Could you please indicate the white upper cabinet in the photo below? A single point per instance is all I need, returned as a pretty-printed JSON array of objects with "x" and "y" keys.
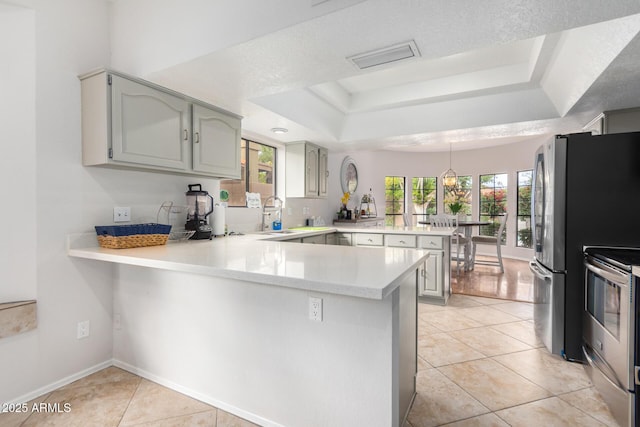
[
  {"x": 311, "y": 170},
  {"x": 323, "y": 172},
  {"x": 306, "y": 170},
  {"x": 148, "y": 127},
  {"x": 131, "y": 123},
  {"x": 216, "y": 143}
]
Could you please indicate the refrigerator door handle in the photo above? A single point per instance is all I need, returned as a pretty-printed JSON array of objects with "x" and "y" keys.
[{"x": 541, "y": 274}]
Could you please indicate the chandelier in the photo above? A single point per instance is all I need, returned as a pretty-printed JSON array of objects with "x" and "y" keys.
[{"x": 449, "y": 178}]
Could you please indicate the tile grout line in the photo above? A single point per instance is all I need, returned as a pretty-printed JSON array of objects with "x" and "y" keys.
[{"x": 129, "y": 402}]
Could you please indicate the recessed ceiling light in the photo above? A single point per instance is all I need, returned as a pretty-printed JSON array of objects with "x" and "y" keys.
[
  {"x": 279, "y": 130},
  {"x": 386, "y": 55}
]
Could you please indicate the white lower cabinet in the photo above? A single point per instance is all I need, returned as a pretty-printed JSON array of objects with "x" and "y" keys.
[
  {"x": 344, "y": 239},
  {"x": 400, "y": 240},
  {"x": 368, "y": 239},
  {"x": 434, "y": 283},
  {"x": 331, "y": 239},
  {"x": 432, "y": 279},
  {"x": 317, "y": 240},
  {"x": 433, "y": 275}
]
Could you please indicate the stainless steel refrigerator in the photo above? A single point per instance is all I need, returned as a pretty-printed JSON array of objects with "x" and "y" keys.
[{"x": 586, "y": 191}]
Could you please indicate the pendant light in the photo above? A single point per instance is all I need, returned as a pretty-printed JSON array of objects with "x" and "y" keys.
[{"x": 449, "y": 178}]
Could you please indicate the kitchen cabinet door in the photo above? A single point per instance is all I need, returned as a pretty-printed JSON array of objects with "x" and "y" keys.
[
  {"x": 216, "y": 143},
  {"x": 344, "y": 239},
  {"x": 306, "y": 170},
  {"x": 148, "y": 127},
  {"x": 311, "y": 163},
  {"x": 316, "y": 240},
  {"x": 331, "y": 239},
  {"x": 432, "y": 280},
  {"x": 323, "y": 172}
]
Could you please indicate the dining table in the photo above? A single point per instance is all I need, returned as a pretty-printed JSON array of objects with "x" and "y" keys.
[{"x": 467, "y": 228}]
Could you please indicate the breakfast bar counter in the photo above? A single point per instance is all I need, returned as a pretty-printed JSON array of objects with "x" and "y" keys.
[{"x": 278, "y": 333}]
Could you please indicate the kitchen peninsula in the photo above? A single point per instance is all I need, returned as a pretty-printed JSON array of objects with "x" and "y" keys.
[{"x": 227, "y": 322}]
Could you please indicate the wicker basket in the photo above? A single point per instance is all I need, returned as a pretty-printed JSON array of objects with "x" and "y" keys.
[{"x": 132, "y": 236}]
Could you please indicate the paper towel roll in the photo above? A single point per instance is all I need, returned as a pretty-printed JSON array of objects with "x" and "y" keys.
[{"x": 219, "y": 220}]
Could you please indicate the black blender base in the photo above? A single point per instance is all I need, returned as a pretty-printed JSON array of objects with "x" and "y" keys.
[
  {"x": 203, "y": 231},
  {"x": 202, "y": 235}
]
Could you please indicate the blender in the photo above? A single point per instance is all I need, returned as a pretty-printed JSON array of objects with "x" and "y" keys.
[{"x": 199, "y": 207}]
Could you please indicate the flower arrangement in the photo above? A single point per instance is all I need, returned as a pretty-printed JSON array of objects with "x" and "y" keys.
[
  {"x": 342, "y": 213},
  {"x": 456, "y": 207},
  {"x": 345, "y": 199}
]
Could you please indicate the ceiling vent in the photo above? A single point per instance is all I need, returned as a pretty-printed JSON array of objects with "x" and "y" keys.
[{"x": 386, "y": 55}]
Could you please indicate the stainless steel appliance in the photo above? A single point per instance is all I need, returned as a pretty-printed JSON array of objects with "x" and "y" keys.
[
  {"x": 580, "y": 183},
  {"x": 199, "y": 207},
  {"x": 610, "y": 328}
]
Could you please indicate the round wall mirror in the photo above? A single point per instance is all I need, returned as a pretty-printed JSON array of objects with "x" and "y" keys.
[{"x": 349, "y": 175}]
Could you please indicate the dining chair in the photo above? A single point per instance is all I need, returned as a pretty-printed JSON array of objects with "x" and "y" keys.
[
  {"x": 406, "y": 218},
  {"x": 457, "y": 238},
  {"x": 490, "y": 240}
]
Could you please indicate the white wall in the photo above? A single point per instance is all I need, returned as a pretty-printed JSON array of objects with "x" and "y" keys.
[
  {"x": 17, "y": 171},
  {"x": 49, "y": 194}
]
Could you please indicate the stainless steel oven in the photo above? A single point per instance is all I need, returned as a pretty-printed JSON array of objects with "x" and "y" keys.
[{"x": 609, "y": 328}]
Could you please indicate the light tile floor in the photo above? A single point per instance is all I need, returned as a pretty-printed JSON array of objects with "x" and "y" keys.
[
  {"x": 481, "y": 364},
  {"x": 113, "y": 397}
]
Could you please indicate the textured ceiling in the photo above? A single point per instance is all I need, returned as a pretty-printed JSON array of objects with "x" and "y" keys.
[{"x": 490, "y": 72}]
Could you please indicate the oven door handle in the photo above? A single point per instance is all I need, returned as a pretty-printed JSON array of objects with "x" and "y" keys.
[
  {"x": 533, "y": 266},
  {"x": 611, "y": 275}
]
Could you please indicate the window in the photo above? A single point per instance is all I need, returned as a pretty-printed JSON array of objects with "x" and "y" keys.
[
  {"x": 523, "y": 224},
  {"x": 460, "y": 193},
  {"x": 493, "y": 203},
  {"x": 424, "y": 196},
  {"x": 258, "y": 170},
  {"x": 393, "y": 200}
]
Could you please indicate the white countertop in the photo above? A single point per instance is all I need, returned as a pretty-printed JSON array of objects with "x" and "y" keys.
[
  {"x": 345, "y": 270},
  {"x": 425, "y": 230}
]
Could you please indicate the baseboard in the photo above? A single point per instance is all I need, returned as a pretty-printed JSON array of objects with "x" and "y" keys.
[
  {"x": 196, "y": 395},
  {"x": 60, "y": 383}
]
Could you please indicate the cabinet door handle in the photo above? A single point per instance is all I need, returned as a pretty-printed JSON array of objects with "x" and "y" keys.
[
  {"x": 186, "y": 134},
  {"x": 326, "y": 173},
  {"x": 403, "y": 242},
  {"x": 197, "y": 137}
]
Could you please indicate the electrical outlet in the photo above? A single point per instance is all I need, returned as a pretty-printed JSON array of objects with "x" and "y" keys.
[
  {"x": 83, "y": 329},
  {"x": 121, "y": 214},
  {"x": 315, "y": 309}
]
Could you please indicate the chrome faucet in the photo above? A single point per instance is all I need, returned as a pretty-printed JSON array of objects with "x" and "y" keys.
[{"x": 266, "y": 213}]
